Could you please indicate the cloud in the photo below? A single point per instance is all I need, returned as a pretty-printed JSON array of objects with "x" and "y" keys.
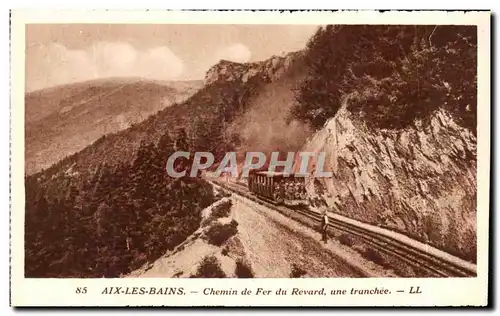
[
  {"x": 55, "y": 64},
  {"x": 236, "y": 52},
  {"x": 160, "y": 62}
]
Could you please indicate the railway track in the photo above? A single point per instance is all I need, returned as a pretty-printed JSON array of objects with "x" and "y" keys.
[{"x": 434, "y": 262}]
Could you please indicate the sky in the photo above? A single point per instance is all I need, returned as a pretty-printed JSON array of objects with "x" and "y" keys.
[{"x": 66, "y": 53}]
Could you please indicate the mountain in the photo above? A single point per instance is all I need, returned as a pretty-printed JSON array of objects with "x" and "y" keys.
[
  {"x": 116, "y": 191},
  {"x": 398, "y": 127},
  {"x": 419, "y": 180},
  {"x": 64, "y": 119},
  {"x": 394, "y": 108},
  {"x": 214, "y": 119}
]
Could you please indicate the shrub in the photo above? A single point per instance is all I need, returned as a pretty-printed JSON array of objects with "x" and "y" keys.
[
  {"x": 297, "y": 272},
  {"x": 209, "y": 268},
  {"x": 180, "y": 248},
  {"x": 219, "y": 211},
  {"x": 243, "y": 270},
  {"x": 374, "y": 256},
  {"x": 177, "y": 274},
  {"x": 222, "y": 210},
  {"x": 222, "y": 194},
  {"x": 218, "y": 233},
  {"x": 346, "y": 240},
  {"x": 399, "y": 73}
]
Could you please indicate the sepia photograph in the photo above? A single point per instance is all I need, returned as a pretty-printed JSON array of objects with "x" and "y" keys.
[{"x": 290, "y": 151}]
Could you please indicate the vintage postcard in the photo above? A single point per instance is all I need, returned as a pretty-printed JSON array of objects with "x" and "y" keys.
[{"x": 217, "y": 158}]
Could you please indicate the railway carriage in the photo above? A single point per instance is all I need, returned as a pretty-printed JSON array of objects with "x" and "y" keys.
[{"x": 277, "y": 187}]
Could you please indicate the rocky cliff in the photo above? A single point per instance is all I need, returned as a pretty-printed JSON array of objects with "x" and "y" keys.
[
  {"x": 268, "y": 70},
  {"x": 420, "y": 180},
  {"x": 402, "y": 158}
]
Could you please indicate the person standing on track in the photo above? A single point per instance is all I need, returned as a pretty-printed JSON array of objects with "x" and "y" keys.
[{"x": 324, "y": 227}]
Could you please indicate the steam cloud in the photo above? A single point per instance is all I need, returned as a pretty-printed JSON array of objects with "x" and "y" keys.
[{"x": 265, "y": 127}]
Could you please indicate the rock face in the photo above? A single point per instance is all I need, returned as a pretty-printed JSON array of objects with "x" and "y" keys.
[
  {"x": 270, "y": 69},
  {"x": 420, "y": 180}
]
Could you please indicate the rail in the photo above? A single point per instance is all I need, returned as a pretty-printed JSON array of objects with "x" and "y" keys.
[{"x": 435, "y": 262}]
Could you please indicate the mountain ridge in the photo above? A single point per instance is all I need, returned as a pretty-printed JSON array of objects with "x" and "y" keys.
[
  {"x": 65, "y": 119},
  {"x": 379, "y": 113}
]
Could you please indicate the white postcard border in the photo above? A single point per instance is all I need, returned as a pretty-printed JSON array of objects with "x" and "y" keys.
[{"x": 62, "y": 292}]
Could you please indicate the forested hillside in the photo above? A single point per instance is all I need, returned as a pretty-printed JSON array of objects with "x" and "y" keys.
[
  {"x": 110, "y": 208},
  {"x": 394, "y": 108},
  {"x": 391, "y": 75},
  {"x": 115, "y": 221}
]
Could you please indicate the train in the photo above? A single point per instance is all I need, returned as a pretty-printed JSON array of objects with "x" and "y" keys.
[{"x": 278, "y": 187}]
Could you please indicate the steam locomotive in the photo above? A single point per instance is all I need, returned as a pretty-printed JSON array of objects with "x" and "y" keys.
[{"x": 277, "y": 187}]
